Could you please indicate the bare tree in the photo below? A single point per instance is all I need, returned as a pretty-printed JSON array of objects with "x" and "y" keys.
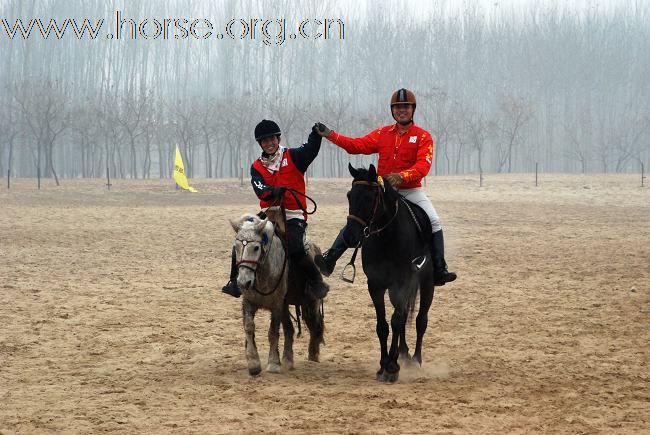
[
  {"x": 131, "y": 115},
  {"x": 477, "y": 129},
  {"x": 43, "y": 107},
  {"x": 514, "y": 114},
  {"x": 9, "y": 132}
]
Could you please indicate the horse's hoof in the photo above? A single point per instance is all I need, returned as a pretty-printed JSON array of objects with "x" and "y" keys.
[
  {"x": 255, "y": 370},
  {"x": 273, "y": 368},
  {"x": 288, "y": 364},
  {"x": 313, "y": 357},
  {"x": 380, "y": 373},
  {"x": 388, "y": 377},
  {"x": 407, "y": 360},
  {"x": 417, "y": 360}
]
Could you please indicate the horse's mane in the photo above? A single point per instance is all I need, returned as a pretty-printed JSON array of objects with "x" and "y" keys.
[{"x": 370, "y": 175}]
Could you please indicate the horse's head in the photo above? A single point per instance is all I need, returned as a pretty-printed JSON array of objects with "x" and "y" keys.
[
  {"x": 251, "y": 245},
  {"x": 365, "y": 200}
]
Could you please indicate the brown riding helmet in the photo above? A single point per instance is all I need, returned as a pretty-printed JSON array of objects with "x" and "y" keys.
[{"x": 402, "y": 96}]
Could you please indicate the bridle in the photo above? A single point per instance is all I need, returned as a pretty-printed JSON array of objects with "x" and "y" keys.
[
  {"x": 367, "y": 225},
  {"x": 253, "y": 265},
  {"x": 379, "y": 199}
]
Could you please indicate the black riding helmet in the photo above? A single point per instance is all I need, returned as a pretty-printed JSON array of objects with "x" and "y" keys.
[{"x": 266, "y": 128}]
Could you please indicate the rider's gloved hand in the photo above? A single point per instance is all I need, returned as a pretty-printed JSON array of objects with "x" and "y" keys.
[
  {"x": 394, "y": 179},
  {"x": 321, "y": 129}
]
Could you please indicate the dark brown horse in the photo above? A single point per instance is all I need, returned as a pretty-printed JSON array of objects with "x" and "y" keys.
[{"x": 395, "y": 256}]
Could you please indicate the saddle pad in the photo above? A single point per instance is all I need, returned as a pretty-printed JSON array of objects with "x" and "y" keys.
[{"x": 421, "y": 217}]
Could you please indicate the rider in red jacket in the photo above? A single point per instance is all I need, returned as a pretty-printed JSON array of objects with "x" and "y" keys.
[
  {"x": 405, "y": 153},
  {"x": 275, "y": 171}
]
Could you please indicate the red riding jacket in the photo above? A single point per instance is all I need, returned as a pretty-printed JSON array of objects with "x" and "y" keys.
[
  {"x": 409, "y": 153},
  {"x": 288, "y": 176}
]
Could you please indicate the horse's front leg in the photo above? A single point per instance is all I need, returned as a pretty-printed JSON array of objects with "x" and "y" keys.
[
  {"x": 397, "y": 323},
  {"x": 274, "y": 339},
  {"x": 377, "y": 295},
  {"x": 421, "y": 321},
  {"x": 403, "y": 348},
  {"x": 252, "y": 357},
  {"x": 287, "y": 328}
]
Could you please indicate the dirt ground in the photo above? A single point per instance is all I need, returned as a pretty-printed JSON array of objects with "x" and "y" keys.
[{"x": 111, "y": 318}]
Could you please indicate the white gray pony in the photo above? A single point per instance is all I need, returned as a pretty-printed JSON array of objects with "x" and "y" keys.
[{"x": 266, "y": 282}]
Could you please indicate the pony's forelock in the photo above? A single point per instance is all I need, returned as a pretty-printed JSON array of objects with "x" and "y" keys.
[{"x": 248, "y": 220}]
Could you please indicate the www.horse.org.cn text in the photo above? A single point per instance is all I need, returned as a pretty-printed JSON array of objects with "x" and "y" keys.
[{"x": 271, "y": 32}]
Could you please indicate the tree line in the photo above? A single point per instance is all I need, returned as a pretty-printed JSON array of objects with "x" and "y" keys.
[{"x": 500, "y": 89}]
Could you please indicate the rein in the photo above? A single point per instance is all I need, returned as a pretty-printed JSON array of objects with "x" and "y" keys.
[
  {"x": 367, "y": 231},
  {"x": 295, "y": 194},
  {"x": 262, "y": 261}
]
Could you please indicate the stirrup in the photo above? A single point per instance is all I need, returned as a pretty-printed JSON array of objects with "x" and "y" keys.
[{"x": 354, "y": 273}]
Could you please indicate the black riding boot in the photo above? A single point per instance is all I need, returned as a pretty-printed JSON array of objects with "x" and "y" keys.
[
  {"x": 231, "y": 288},
  {"x": 440, "y": 273},
  {"x": 316, "y": 287},
  {"x": 327, "y": 261}
]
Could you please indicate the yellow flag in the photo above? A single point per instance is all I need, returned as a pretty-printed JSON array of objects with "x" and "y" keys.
[{"x": 179, "y": 172}]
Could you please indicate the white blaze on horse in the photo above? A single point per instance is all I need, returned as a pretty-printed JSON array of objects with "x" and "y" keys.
[{"x": 266, "y": 282}]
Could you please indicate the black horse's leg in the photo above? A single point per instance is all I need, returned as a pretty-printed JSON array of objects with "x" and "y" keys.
[
  {"x": 377, "y": 296},
  {"x": 421, "y": 321},
  {"x": 403, "y": 348},
  {"x": 397, "y": 323}
]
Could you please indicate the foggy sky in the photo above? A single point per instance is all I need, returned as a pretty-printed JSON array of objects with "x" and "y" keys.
[{"x": 501, "y": 85}]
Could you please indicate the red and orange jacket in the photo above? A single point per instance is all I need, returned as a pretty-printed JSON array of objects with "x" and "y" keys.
[
  {"x": 410, "y": 154},
  {"x": 289, "y": 175},
  {"x": 295, "y": 162}
]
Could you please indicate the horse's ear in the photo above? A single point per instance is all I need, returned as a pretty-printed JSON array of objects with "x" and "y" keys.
[
  {"x": 236, "y": 225},
  {"x": 353, "y": 171},
  {"x": 267, "y": 232},
  {"x": 372, "y": 173},
  {"x": 259, "y": 227}
]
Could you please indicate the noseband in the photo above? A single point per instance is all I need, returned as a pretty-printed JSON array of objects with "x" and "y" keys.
[{"x": 255, "y": 263}]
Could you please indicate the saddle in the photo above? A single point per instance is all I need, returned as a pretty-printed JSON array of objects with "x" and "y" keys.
[
  {"x": 420, "y": 218},
  {"x": 423, "y": 224}
]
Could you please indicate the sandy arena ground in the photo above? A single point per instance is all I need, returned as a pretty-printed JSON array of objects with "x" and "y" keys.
[{"x": 110, "y": 317}]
